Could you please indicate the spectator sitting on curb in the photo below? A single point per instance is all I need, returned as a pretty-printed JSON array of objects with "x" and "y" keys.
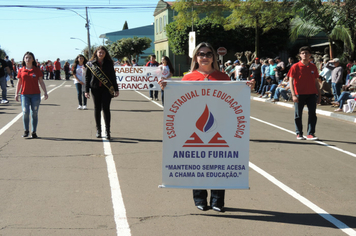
[
  {"x": 342, "y": 99},
  {"x": 282, "y": 89},
  {"x": 266, "y": 87}
]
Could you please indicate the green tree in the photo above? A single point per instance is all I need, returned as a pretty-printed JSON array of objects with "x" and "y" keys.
[
  {"x": 129, "y": 47},
  {"x": 126, "y": 26},
  {"x": 2, "y": 53},
  {"x": 349, "y": 11},
  {"x": 313, "y": 17},
  {"x": 86, "y": 52},
  {"x": 260, "y": 15},
  {"x": 236, "y": 40}
]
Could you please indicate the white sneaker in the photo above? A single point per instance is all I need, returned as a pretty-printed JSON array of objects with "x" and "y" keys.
[
  {"x": 4, "y": 101},
  {"x": 80, "y": 107},
  {"x": 85, "y": 108},
  {"x": 265, "y": 96}
]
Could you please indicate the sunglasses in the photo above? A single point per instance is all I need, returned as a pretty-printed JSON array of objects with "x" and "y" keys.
[{"x": 207, "y": 55}]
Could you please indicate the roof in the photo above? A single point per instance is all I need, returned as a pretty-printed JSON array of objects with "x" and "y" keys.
[
  {"x": 143, "y": 30},
  {"x": 161, "y": 6}
]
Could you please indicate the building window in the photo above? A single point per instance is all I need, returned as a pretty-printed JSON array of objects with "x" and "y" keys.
[
  {"x": 160, "y": 25},
  {"x": 164, "y": 22},
  {"x": 156, "y": 26}
]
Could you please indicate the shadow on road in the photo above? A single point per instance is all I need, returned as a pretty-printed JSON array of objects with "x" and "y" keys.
[
  {"x": 113, "y": 139},
  {"x": 137, "y": 110},
  {"x": 310, "y": 219}
]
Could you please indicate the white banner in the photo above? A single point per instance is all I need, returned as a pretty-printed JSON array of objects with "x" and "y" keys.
[
  {"x": 206, "y": 135},
  {"x": 138, "y": 77}
]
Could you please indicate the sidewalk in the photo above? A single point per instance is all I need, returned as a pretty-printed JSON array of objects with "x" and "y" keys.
[{"x": 325, "y": 110}]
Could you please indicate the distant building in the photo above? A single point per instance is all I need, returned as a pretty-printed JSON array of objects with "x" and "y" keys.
[
  {"x": 163, "y": 15},
  {"x": 144, "y": 31}
]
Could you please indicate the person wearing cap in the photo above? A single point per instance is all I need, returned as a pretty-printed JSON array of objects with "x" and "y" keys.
[
  {"x": 279, "y": 69},
  {"x": 336, "y": 76},
  {"x": 228, "y": 67},
  {"x": 255, "y": 69},
  {"x": 305, "y": 90}
]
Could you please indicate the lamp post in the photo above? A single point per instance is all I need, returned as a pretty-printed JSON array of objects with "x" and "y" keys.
[{"x": 86, "y": 25}]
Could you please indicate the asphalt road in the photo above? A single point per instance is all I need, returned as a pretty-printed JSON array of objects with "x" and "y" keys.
[{"x": 67, "y": 182}]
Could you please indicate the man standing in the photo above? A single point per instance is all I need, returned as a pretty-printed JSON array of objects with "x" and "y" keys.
[
  {"x": 255, "y": 69},
  {"x": 304, "y": 88},
  {"x": 9, "y": 64},
  {"x": 153, "y": 63},
  {"x": 4, "y": 67},
  {"x": 336, "y": 77},
  {"x": 57, "y": 69}
]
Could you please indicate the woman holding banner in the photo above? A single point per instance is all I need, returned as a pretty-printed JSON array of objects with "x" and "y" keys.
[
  {"x": 204, "y": 67},
  {"x": 101, "y": 79}
]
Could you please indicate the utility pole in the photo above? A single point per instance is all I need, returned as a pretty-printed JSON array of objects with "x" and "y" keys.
[{"x": 88, "y": 33}]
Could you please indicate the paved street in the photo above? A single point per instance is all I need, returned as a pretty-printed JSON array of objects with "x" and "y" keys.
[{"x": 67, "y": 182}]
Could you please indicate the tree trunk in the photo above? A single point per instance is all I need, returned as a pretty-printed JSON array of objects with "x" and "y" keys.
[
  {"x": 257, "y": 38},
  {"x": 331, "y": 49}
]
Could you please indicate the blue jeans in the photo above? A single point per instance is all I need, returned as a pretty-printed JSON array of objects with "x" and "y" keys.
[
  {"x": 3, "y": 83},
  {"x": 310, "y": 101},
  {"x": 262, "y": 84},
  {"x": 336, "y": 90},
  {"x": 155, "y": 94},
  {"x": 281, "y": 92},
  {"x": 343, "y": 98},
  {"x": 273, "y": 89},
  {"x": 30, "y": 101},
  {"x": 80, "y": 94}
]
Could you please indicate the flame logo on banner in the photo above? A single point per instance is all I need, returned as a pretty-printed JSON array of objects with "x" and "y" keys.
[{"x": 206, "y": 121}]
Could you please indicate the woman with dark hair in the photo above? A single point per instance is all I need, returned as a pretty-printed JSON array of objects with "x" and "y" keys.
[
  {"x": 29, "y": 76},
  {"x": 167, "y": 72},
  {"x": 101, "y": 79},
  {"x": 66, "y": 70},
  {"x": 204, "y": 67},
  {"x": 79, "y": 71}
]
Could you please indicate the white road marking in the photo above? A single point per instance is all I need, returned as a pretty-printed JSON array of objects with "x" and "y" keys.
[
  {"x": 340, "y": 225},
  {"x": 122, "y": 226},
  {"x": 8, "y": 125},
  {"x": 68, "y": 86},
  {"x": 292, "y": 132}
]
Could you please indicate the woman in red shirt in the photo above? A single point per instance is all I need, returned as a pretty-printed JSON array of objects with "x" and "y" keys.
[
  {"x": 204, "y": 67},
  {"x": 29, "y": 77}
]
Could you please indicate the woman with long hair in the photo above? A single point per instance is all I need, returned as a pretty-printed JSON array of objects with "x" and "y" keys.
[
  {"x": 204, "y": 67},
  {"x": 100, "y": 78},
  {"x": 167, "y": 72},
  {"x": 29, "y": 76},
  {"x": 79, "y": 71}
]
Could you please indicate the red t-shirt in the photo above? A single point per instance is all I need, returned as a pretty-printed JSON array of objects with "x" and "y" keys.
[
  {"x": 197, "y": 76},
  {"x": 304, "y": 78},
  {"x": 30, "y": 80},
  {"x": 57, "y": 65}
]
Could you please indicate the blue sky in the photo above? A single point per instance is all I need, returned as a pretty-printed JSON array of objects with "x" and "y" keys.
[{"x": 47, "y": 32}]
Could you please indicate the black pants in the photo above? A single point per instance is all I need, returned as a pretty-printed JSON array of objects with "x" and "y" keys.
[
  {"x": 57, "y": 74},
  {"x": 216, "y": 199},
  {"x": 102, "y": 100},
  {"x": 310, "y": 101}
]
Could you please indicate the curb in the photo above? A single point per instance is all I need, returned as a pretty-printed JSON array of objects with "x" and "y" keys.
[{"x": 318, "y": 111}]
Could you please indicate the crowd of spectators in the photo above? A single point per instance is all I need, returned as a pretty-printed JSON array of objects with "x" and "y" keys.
[{"x": 337, "y": 84}]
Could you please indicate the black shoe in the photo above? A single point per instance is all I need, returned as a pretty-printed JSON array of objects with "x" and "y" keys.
[
  {"x": 202, "y": 207},
  {"x": 98, "y": 133},
  {"x": 34, "y": 135},
  {"x": 108, "y": 136},
  {"x": 25, "y": 134},
  {"x": 219, "y": 209}
]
